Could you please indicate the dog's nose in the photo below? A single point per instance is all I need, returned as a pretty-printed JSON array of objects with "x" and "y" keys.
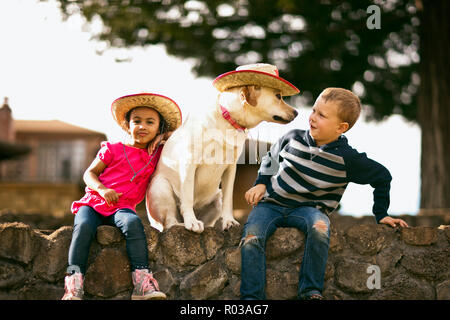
[{"x": 295, "y": 113}]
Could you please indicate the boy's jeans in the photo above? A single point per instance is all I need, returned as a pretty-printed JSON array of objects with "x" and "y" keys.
[
  {"x": 85, "y": 227},
  {"x": 262, "y": 222}
]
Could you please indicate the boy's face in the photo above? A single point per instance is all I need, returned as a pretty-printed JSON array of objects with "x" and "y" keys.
[
  {"x": 143, "y": 126},
  {"x": 324, "y": 122}
]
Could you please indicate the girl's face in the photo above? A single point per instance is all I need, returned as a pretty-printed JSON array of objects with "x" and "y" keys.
[{"x": 143, "y": 126}]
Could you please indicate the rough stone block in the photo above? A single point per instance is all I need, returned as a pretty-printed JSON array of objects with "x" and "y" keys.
[
  {"x": 10, "y": 275},
  {"x": 352, "y": 275},
  {"x": 51, "y": 261},
  {"x": 233, "y": 260},
  {"x": 284, "y": 242},
  {"x": 281, "y": 285},
  {"x": 443, "y": 290},
  {"x": 153, "y": 237},
  {"x": 108, "y": 235},
  {"x": 430, "y": 263},
  {"x": 167, "y": 283},
  {"x": 17, "y": 242},
  {"x": 337, "y": 241},
  {"x": 388, "y": 258},
  {"x": 213, "y": 240},
  {"x": 370, "y": 239},
  {"x": 234, "y": 235},
  {"x": 109, "y": 275},
  {"x": 403, "y": 287},
  {"x": 205, "y": 282},
  {"x": 182, "y": 248},
  {"x": 419, "y": 236}
]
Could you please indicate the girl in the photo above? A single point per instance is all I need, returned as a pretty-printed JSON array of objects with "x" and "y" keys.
[{"x": 116, "y": 182}]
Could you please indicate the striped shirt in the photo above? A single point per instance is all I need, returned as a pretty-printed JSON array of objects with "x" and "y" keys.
[{"x": 297, "y": 172}]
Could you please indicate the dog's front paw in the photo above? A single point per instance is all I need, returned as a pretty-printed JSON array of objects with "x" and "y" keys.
[
  {"x": 228, "y": 223},
  {"x": 194, "y": 225}
]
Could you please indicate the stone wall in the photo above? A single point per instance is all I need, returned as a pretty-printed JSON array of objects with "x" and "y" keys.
[{"x": 413, "y": 263}]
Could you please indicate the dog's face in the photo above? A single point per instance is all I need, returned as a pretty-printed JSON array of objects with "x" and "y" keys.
[{"x": 265, "y": 104}]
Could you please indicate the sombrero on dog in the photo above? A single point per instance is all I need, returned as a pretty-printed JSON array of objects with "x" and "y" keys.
[
  {"x": 259, "y": 74},
  {"x": 168, "y": 108}
]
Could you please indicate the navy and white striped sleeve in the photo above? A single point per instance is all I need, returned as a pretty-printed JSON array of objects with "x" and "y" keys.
[{"x": 271, "y": 162}]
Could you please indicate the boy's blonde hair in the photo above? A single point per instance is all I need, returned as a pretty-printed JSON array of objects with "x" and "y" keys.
[{"x": 349, "y": 105}]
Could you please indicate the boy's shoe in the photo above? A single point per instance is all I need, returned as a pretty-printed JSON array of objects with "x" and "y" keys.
[
  {"x": 312, "y": 296},
  {"x": 315, "y": 296},
  {"x": 73, "y": 285},
  {"x": 145, "y": 286}
]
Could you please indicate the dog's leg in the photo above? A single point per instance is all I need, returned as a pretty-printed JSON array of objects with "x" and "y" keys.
[
  {"x": 161, "y": 204},
  {"x": 210, "y": 213},
  {"x": 227, "y": 190},
  {"x": 187, "y": 182}
]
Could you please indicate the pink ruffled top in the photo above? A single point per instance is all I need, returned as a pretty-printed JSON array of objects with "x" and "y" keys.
[{"x": 117, "y": 176}]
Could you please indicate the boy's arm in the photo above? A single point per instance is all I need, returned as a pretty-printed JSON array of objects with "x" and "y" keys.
[
  {"x": 363, "y": 170},
  {"x": 270, "y": 162}
]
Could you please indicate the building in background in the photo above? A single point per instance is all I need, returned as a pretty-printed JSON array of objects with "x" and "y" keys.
[
  {"x": 48, "y": 178},
  {"x": 60, "y": 152}
]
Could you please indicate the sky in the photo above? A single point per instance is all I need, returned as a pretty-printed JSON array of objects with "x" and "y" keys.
[{"x": 50, "y": 69}]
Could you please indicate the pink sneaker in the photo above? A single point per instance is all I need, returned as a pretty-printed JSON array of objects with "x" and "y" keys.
[
  {"x": 145, "y": 286},
  {"x": 73, "y": 286}
]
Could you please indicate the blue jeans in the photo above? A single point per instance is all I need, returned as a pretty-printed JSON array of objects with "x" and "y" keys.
[
  {"x": 85, "y": 227},
  {"x": 262, "y": 222}
]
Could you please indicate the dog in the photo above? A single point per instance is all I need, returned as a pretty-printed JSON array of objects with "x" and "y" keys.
[{"x": 194, "y": 178}]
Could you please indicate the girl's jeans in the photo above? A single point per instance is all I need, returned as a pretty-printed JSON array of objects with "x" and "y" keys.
[
  {"x": 85, "y": 227},
  {"x": 262, "y": 222}
]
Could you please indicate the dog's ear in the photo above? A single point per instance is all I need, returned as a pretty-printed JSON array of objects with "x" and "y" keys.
[{"x": 249, "y": 94}]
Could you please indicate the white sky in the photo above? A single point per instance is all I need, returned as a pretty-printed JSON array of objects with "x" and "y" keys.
[{"x": 49, "y": 69}]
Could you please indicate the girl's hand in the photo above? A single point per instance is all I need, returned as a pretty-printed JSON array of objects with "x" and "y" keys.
[
  {"x": 159, "y": 139},
  {"x": 393, "y": 222},
  {"x": 110, "y": 195},
  {"x": 255, "y": 194}
]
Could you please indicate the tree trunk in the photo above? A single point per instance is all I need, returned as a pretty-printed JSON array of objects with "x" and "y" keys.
[{"x": 433, "y": 104}]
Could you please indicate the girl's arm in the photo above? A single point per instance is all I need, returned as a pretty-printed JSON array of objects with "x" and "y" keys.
[{"x": 90, "y": 177}]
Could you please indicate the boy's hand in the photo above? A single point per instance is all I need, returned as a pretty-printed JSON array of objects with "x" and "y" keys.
[
  {"x": 255, "y": 194},
  {"x": 110, "y": 195},
  {"x": 393, "y": 222}
]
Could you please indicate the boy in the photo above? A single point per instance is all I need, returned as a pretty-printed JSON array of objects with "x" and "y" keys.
[{"x": 300, "y": 182}]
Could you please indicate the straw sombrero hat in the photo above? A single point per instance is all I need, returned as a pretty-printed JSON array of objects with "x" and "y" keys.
[
  {"x": 168, "y": 108},
  {"x": 259, "y": 74}
]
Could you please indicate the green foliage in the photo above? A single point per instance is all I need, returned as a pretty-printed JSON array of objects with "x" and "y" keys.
[{"x": 315, "y": 44}]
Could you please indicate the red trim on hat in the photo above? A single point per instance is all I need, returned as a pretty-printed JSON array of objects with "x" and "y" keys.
[{"x": 259, "y": 72}]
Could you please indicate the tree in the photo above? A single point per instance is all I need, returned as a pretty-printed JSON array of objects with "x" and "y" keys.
[
  {"x": 315, "y": 44},
  {"x": 433, "y": 104}
]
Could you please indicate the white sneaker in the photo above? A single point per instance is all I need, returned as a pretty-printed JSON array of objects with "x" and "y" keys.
[{"x": 73, "y": 286}]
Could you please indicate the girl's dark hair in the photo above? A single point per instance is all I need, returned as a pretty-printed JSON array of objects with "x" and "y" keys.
[{"x": 162, "y": 122}]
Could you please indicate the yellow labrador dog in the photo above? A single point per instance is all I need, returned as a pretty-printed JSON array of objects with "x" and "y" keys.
[{"x": 193, "y": 182}]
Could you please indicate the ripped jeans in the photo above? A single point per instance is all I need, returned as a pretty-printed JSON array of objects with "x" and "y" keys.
[{"x": 262, "y": 222}]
